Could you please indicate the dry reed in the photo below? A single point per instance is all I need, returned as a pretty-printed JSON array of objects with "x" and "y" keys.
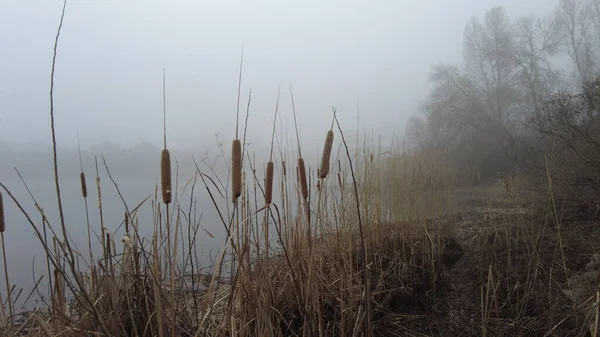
[
  {"x": 2, "y": 223},
  {"x": 8, "y": 291},
  {"x": 236, "y": 168},
  {"x": 165, "y": 174},
  {"x": 324, "y": 169}
]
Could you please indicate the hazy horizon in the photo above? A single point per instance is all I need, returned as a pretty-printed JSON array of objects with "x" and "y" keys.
[
  {"x": 108, "y": 81},
  {"x": 108, "y": 89}
]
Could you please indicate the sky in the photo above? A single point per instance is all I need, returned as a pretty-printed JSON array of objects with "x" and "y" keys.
[{"x": 111, "y": 56}]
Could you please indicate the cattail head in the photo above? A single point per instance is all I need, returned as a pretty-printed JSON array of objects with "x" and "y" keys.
[
  {"x": 2, "y": 223},
  {"x": 269, "y": 183},
  {"x": 324, "y": 170},
  {"x": 83, "y": 185},
  {"x": 302, "y": 177},
  {"x": 236, "y": 168},
  {"x": 99, "y": 189},
  {"x": 165, "y": 175}
]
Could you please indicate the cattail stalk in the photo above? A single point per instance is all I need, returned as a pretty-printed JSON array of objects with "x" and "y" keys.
[
  {"x": 8, "y": 288},
  {"x": 236, "y": 169},
  {"x": 59, "y": 292},
  {"x": 269, "y": 183},
  {"x": 99, "y": 190},
  {"x": 324, "y": 169},
  {"x": 2, "y": 223},
  {"x": 284, "y": 169},
  {"x": 165, "y": 175}
]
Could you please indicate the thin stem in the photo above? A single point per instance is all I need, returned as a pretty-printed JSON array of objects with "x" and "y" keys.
[
  {"x": 164, "y": 109},
  {"x": 274, "y": 122},
  {"x": 8, "y": 290},
  {"x": 237, "y": 119},
  {"x": 295, "y": 122},
  {"x": 368, "y": 323}
]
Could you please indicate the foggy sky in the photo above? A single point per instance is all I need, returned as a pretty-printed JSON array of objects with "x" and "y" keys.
[{"x": 108, "y": 83}]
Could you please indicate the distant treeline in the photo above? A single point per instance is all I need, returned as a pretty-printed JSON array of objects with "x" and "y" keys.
[
  {"x": 524, "y": 102},
  {"x": 512, "y": 69}
]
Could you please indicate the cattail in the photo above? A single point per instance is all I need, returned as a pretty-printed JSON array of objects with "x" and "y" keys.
[
  {"x": 2, "y": 223},
  {"x": 99, "y": 189},
  {"x": 324, "y": 170},
  {"x": 236, "y": 168},
  {"x": 83, "y": 185},
  {"x": 302, "y": 176},
  {"x": 165, "y": 175},
  {"x": 269, "y": 183}
]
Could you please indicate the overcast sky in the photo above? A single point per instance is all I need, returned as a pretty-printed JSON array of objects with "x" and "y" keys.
[{"x": 111, "y": 55}]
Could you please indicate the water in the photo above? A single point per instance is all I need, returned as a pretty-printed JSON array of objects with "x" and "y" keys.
[
  {"x": 26, "y": 257},
  {"x": 136, "y": 175}
]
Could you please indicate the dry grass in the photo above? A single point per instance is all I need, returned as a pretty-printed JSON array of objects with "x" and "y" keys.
[
  {"x": 440, "y": 261},
  {"x": 385, "y": 246}
]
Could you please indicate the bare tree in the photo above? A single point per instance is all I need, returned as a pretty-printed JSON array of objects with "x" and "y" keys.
[
  {"x": 535, "y": 41},
  {"x": 489, "y": 63},
  {"x": 576, "y": 20}
]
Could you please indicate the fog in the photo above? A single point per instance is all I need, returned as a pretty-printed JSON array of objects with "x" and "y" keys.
[
  {"x": 112, "y": 53},
  {"x": 108, "y": 84}
]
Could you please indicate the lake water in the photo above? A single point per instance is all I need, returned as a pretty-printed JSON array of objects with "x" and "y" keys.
[{"x": 25, "y": 254}]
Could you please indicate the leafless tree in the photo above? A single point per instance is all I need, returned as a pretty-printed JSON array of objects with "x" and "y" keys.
[
  {"x": 576, "y": 22},
  {"x": 489, "y": 64},
  {"x": 535, "y": 40}
]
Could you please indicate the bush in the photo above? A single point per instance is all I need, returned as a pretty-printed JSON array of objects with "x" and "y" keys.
[{"x": 561, "y": 152}]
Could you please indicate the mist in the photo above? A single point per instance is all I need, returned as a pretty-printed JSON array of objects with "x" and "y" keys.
[
  {"x": 371, "y": 61},
  {"x": 111, "y": 56}
]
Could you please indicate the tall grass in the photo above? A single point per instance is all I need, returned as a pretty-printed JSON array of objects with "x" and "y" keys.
[
  {"x": 331, "y": 251},
  {"x": 290, "y": 277},
  {"x": 313, "y": 262}
]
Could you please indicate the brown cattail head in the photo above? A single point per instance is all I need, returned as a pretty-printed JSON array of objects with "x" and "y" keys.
[
  {"x": 83, "y": 185},
  {"x": 236, "y": 168},
  {"x": 302, "y": 176},
  {"x": 269, "y": 183},
  {"x": 2, "y": 223},
  {"x": 165, "y": 175},
  {"x": 324, "y": 170}
]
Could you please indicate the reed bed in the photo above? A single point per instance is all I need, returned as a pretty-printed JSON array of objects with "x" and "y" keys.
[
  {"x": 360, "y": 246},
  {"x": 289, "y": 274}
]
